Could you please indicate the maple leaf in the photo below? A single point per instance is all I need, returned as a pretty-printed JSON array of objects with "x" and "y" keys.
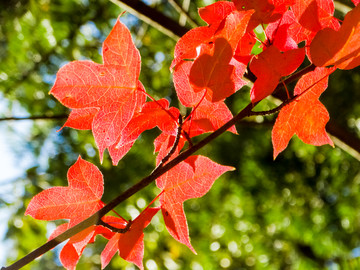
[
  {"x": 217, "y": 72},
  {"x": 112, "y": 89},
  {"x": 76, "y": 202},
  {"x": 310, "y": 17},
  {"x": 278, "y": 32},
  {"x": 266, "y": 11},
  {"x": 152, "y": 114},
  {"x": 186, "y": 95},
  {"x": 305, "y": 116},
  {"x": 130, "y": 244},
  {"x": 213, "y": 72},
  {"x": 340, "y": 48},
  {"x": 187, "y": 45},
  {"x": 73, "y": 249},
  {"x": 190, "y": 179},
  {"x": 270, "y": 66},
  {"x": 81, "y": 118},
  {"x": 214, "y": 67},
  {"x": 207, "y": 117},
  {"x": 216, "y": 12},
  {"x": 244, "y": 48}
]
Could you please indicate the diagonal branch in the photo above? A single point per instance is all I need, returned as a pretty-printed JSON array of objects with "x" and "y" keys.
[{"x": 95, "y": 218}]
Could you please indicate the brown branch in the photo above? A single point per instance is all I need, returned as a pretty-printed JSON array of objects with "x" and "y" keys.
[
  {"x": 183, "y": 13},
  {"x": 153, "y": 17},
  {"x": 95, "y": 218},
  {"x": 114, "y": 229},
  {"x": 40, "y": 117},
  {"x": 176, "y": 143}
]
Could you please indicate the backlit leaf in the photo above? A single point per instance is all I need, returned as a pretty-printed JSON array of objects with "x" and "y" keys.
[{"x": 305, "y": 116}]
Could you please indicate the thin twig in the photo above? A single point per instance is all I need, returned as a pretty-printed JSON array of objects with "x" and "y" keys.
[
  {"x": 153, "y": 17},
  {"x": 40, "y": 117},
  {"x": 114, "y": 229},
  {"x": 173, "y": 148},
  {"x": 183, "y": 14},
  {"x": 272, "y": 111}
]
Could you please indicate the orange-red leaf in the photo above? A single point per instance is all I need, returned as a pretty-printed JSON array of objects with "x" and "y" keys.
[
  {"x": 73, "y": 249},
  {"x": 339, "y": 48},
  {"x": 208, "y": 117},
  {"x": 152, "y": 114},
  {"x": 306, "y": 116},
  {"x": 310, "y": 16},
  {"x": 213, "y": 72},
  {"x": 76, "y": 202},
  {"x": 212, "y": 49},
  {"x": 81, "y": 118},
  {"x": 216, "y": 12},
  {"x": 270, "y": 66},
  {"x": 278, "y": 32},
  {"x": 190, "y": 179},
  {"x": 130, "y": 245},
  {"x": 112, "y": 89},
  {"x": 266, "y": 11}
]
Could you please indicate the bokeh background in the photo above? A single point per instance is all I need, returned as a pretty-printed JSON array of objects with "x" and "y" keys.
[{"x": 301, "y": 211}]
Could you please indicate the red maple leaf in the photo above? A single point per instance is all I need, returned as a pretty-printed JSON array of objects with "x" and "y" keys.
[
  {"x": 73, "y": 249},
  {"x": 187, "y": 45},
  {"x": 270, "y": 66},
  {"x": 278, "y": 32},
  {"x": 216, "y": 12},
  {"x": 76, "y": 202},
  {"x": 305, "y": 116},
  {"x": 340, "y": 48},
  {"x": 112, "y": 89},
  {"x": 213, "y": 72},
  {"x": 214, "y": 67},
  {"x": 266, "y": 11},
  {"x": 190, "y": 179},
  {"x": 244, "y": 48},
  {"x": 152, "y": 114},
  {"x": 310, "y": 17},
  {"x": 130, "y": 244},
  {"x": 207, "y": 117},
  {"x": 81, "y": 118}
]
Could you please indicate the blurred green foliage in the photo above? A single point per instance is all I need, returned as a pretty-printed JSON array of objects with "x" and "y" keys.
[{"x": 300, "y": 211}]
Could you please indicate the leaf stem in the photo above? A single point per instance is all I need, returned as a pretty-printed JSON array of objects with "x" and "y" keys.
[
  {"x": 158, "y": 103},
  {"x": 114, "y": 229},
  {"x": 173, "y": 148}
]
